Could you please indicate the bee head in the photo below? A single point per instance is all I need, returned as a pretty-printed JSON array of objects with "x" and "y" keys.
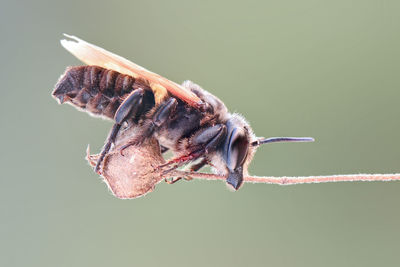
[
  {"x": 237, "y": 151},
  {"x": 240, "y": 146}
]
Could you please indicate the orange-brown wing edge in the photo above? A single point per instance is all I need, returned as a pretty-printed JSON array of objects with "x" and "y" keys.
[{"x": 94, "y": 55}]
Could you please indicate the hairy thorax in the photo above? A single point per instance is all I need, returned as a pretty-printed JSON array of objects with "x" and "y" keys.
[{"x": 188, "y": 120}]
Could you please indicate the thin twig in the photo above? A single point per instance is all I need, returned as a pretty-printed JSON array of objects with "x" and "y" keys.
[{"x": 297, "y": 180}]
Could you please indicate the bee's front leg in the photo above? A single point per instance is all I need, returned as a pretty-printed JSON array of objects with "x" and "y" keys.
[
  {"x": 198, "y": 166},
  {"x": 202, "y": 142},
  {"x": 209, "y": 138}
]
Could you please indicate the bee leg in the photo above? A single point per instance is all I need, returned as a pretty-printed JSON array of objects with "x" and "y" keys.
[
  {"x": 194, "y": 168},
  {"x": 110, "y": 139},
  {"x": 173, "y": 180},
  {"x": 209, "y": 138},
  {"x": 198, "y": 166},
  {"x": 204, "y": 141},
  {"x": 161, "y": 115},
  {"x": 128, "y": 109},
  {"x": 179, "y": 161},
  {"x": 164, "y": 112}
]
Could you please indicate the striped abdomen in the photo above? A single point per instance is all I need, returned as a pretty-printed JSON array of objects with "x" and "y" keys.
[{"x": 97, "y": 90}]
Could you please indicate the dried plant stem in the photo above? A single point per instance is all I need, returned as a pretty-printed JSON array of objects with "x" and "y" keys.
[{"x": 297, "y": 180}]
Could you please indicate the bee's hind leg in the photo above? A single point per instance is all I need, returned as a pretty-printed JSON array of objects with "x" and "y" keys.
[{"x": 129, "y": 108}]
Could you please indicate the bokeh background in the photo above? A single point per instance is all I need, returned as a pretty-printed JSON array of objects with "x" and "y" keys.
[{"x": 327, "y": 69}]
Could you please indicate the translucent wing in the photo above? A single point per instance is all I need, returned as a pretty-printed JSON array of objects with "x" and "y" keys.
[{"x": 94, "y": 55}]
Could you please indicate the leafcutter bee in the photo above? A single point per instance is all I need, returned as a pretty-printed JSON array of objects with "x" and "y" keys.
[{"x": 192, "y": 123}]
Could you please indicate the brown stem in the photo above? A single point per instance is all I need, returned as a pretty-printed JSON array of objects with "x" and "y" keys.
[{"x": 297, "y": 180}]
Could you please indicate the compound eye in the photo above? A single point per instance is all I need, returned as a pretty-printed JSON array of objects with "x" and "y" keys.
[{"x": 238, "y": 147}]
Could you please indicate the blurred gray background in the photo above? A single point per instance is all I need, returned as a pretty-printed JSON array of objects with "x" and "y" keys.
[{"x": 327, "y": 69}]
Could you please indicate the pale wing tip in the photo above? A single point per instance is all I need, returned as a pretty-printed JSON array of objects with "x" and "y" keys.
[
  {"x": 72, "y": 37},
  {"x": 68, "y": 43},
  {"x": 75, "y": 46},
  {"x": 71, "y": 43}
]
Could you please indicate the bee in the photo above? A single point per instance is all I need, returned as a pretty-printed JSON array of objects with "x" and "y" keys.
[{"x": 185, "y": 119}]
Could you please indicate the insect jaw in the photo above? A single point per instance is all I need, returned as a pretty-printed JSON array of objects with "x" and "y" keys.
[{"x": 235, "y": 178}]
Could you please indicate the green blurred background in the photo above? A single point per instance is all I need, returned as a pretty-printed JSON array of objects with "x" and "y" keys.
[{"x": 327, "y": 69}]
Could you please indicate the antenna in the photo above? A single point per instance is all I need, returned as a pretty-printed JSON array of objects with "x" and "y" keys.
[{"x": 282, "y": 139}]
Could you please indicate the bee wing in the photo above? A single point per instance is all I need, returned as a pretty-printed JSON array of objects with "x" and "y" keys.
[{"x": 94, "y": 55}]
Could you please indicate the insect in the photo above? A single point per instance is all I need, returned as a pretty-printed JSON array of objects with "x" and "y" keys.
[{"x": 194, "y": 124}]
